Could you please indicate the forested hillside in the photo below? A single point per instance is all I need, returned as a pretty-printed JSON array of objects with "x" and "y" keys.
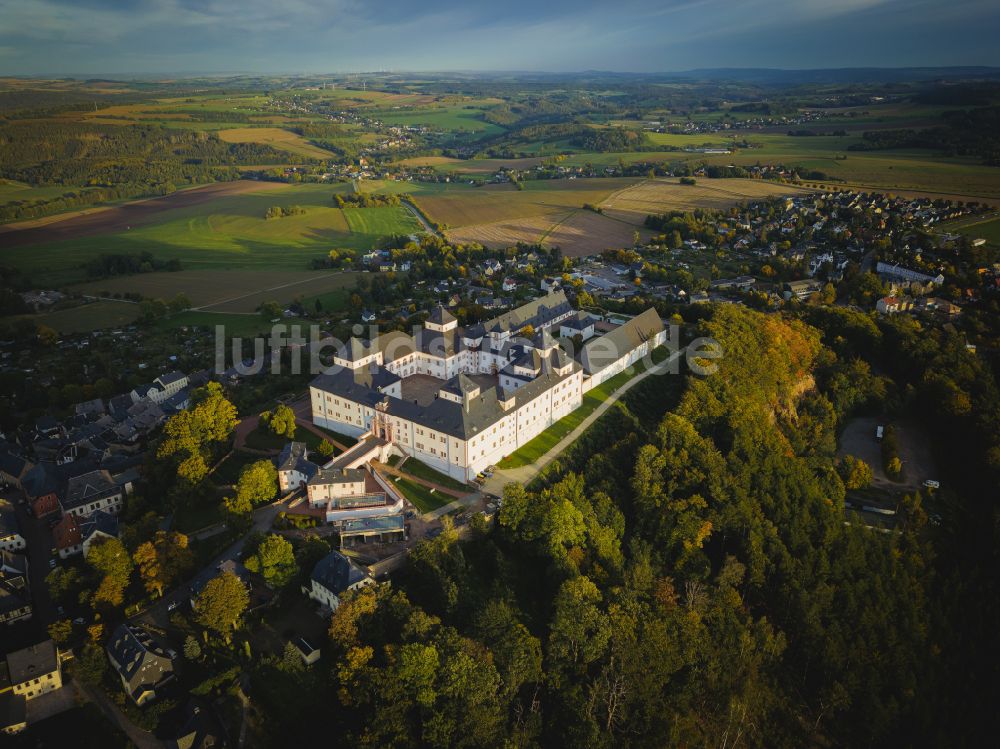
[
  {"x": 98, "y": 163},
  {"x": 692, "y": 583}
]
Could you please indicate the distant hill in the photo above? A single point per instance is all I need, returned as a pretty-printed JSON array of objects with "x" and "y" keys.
[{"x": 837, "y": 75}]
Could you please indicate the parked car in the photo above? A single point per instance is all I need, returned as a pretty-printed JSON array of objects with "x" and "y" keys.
[
  {"x": 932, "y": 484},
  {"x": 52, "y": 564},
  {"x": 173, "y": 605}
]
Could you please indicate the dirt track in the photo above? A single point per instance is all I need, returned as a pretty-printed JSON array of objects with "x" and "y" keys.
[{"x": 121, "y": 217}]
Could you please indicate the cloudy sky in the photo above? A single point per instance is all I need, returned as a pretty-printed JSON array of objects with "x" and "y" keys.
[{"x": 149, "y": 36}]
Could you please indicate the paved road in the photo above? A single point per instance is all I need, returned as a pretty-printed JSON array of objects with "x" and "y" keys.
[
  {"x": 158, "y": 614},
  {"x": 142, "y": 739},
  {"x": 421, "y": 218},
  {"x": 525, "y": 474}
]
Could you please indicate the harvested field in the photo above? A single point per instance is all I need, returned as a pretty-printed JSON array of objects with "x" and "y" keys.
[
  {"x": 589, "y": 233},
  {"x": 634, "y": 203},
  {"x": 118, "y": 218},
  {"x": 276, "y": 137},
  {"x": 508, "y": 232},
  {"x": 224, "y": 291},
  {"x": 576, "y": 233},
  {"x": 493, "y": 203}
]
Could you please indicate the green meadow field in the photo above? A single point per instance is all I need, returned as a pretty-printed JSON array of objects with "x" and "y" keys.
[
  {"x": 229, "y": 232},
  {"x": 454, "y": 118}
]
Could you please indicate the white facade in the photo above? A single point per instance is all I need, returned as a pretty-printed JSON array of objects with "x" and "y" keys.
[{"x": 537, "y": 385}]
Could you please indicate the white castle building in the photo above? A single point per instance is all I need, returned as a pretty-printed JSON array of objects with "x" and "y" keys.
[{"x": 460, "y": 399}]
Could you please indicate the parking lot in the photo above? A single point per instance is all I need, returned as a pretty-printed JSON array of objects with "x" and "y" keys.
[{"x": 858, "y": 439}]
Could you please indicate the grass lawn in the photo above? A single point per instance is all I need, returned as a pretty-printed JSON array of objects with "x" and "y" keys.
[
  {"x": 420, "y": 496},
  {"x": 262, "y": 438},
  {"x": 194, "y": 516},
  {"x": 313, "y": 440},
  {"x": 988, "y": 230},
  {"x": 235, "y": 324},
  {"x": 229, "y": 470},
  {"x": 537, "y": 447},
  {"x": 425, "y": 472}
]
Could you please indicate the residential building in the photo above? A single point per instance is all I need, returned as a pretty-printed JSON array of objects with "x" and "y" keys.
[
  {"x": 35, "y": 670},
  {"x": 294, "y": 467},
  {"x": 143, "y": 665},
  {"x": 334, "y": 575},
  {"x": 93, "y": 491},
  {"x": 10, "y": 529}
]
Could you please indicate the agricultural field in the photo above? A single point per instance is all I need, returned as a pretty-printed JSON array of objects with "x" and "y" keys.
[
  {"x": 227, "y": 232},
  {"x": 11, "y": 191},
  {"x": 550, "y": 211},
  {"x": 634, "y": 203},
  {"x": 277, "y": 137},
  {"x": 465, "y": 206},
  {"x": 456, "y": 119},
  {"x": 476, "y": 167},
  {"x": 381, "y": 221},
  {"x": 236, "y": 291},
  {"x": 87, "y": 317}
]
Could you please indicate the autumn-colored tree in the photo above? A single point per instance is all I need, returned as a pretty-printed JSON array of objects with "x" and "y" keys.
[
  {"x": 163, "y": 560},
  {"x": 221, "y": 603},
  {"x": 110, "y": 558},
  {"x": 190, "y": 433}
]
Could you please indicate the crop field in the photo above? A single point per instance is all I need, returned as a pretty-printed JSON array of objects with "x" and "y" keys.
[
  {"x": 477, "y": 167},
  {"x": 276, "y": 137},
  {"x": 225, "y": 291},
  {"x": 634, "y": 203},
  {"x": 465, "y": 206},
  {"x": 576, "y": 233},
  {"x": 507, "y": 232},
  {"x": 229, "y": 231},
  {"x": 452, "y": 118},
  {"x": 87, "y": 317},
  {"x": 550, "y": 211},
  {"x": 381, "y": 221}
]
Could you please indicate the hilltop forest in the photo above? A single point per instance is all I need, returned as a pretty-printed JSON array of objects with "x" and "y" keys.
[{"x": 685, "y": 576}]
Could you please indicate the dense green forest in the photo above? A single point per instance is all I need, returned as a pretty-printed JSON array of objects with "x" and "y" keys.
[
  {"x": 972, "y": 132},
  {"x": 684, "y": 575}
]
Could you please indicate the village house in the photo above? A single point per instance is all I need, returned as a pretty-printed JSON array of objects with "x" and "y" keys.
[
  {"x": 15, "y": 591},
  {"x": 334, "y": 575},
  {"x": 143, "y": 664},
  {"x": 34, "y": 670}
]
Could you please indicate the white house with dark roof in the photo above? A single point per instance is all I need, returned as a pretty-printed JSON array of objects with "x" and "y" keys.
[
  {"x": 334, "y": 575},
  {"x": 294, "y": 467},
  {"x": 93, "y": 491}
]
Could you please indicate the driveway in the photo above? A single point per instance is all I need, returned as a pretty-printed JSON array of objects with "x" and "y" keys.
[{"x": 526, "y": 474}]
